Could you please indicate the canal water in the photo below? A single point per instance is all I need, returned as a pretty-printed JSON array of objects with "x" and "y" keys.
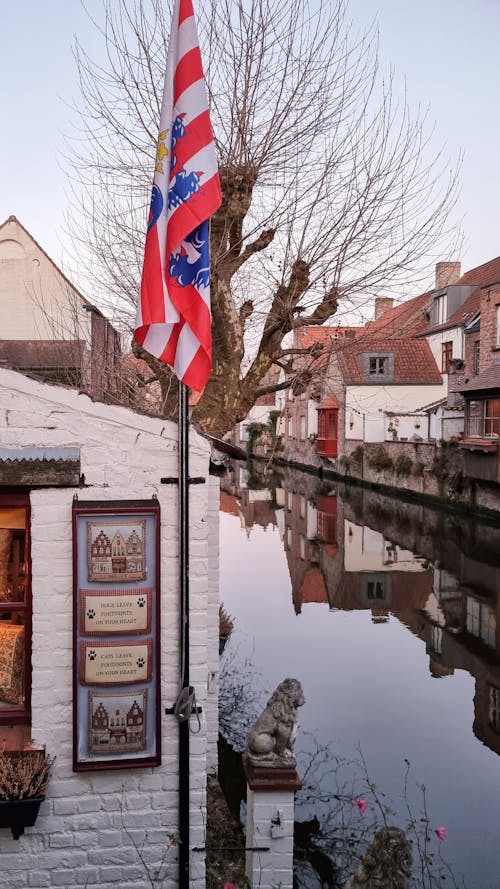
[{"x": 387, "y": 612}]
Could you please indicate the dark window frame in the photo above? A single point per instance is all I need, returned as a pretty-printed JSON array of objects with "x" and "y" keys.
[
  {"x": 477, "y": 356},
  {"x": 446, "y": 355},
  {"x": 378, "y": 365}
]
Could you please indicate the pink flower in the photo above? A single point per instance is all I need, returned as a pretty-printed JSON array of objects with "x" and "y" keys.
[
  {"x": 440, "y": 832},
  {"x": 361, "y": 805},
  {"x": 229, "y": 886}
]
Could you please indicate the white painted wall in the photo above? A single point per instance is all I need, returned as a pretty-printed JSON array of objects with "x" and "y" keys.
[
  {"x": 92, "y": 824},
  {"x": 312, "y": 521},
  {"x": 369, "y": 402},
  {"x": 454, "y": 335},
  {"x": 37, "y": 303},
  {"x": 404, "y": 425},
  {"x": 445, "y": 423},
  {"x": 312, "y": 417},
  {"x": 259, "y": 413},
  {"x": 212, "y": 623},
  {"x": 366, "y": 550}
]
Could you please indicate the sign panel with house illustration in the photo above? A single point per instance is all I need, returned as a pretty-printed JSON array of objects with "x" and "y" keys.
[
  {"x": 116, "y": 669},
  {"x": 116, "y": 551},
  {"x": 117, "y": 721}
]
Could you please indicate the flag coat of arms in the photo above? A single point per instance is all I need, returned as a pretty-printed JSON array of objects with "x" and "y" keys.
[{"x": 173, "y": 316}]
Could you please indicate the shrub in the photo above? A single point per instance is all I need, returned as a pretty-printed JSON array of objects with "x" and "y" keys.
[
  {"x": 226, "y": 622},
  {"x": 403, "y": 465},
  {"x": 380, "y": 460},
  {"x": 24, "y": 775},
  {"x": 357, "y": 454}
]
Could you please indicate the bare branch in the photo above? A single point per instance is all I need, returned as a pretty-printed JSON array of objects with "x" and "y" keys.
[{"x": 333, "y": 192}]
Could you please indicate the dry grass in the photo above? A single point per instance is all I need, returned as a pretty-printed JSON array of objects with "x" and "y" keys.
[
  {"x": 225, "y": 843},
  {"x": 24, "y": 775}
]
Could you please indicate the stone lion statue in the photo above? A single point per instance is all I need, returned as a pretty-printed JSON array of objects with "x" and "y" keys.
[
  {"x": 386, "y": 864},
  {"x": 271, "y": 739}
]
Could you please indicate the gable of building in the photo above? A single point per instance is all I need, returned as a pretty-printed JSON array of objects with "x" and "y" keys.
[{"x": 48, "y": 327}]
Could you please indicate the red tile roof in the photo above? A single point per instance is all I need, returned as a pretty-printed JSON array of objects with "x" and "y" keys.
[
  {"x": 329, "y": 403},
  {"x": 229, "y": 504},
  {"x": 488, "y": 273},
  {"x": 313, "y": 587},
  {"x": 407, "y": 319},
  {"x": 307, "y": 336},
  {"x": 413, "y": 361}
]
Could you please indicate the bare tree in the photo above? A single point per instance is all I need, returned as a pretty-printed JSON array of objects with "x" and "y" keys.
[{"x": 331, "y": 190}]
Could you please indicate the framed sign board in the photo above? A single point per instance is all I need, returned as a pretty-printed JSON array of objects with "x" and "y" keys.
[{"x": 116, "y": 634}]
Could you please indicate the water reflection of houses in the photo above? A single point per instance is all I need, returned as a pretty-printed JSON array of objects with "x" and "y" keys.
[
  {"x": 337, "y": 561},
  {"x": 241, "y": 495},
  {"x": 352, "y": 549},
  {"x": 460, "y": 619},
  {"x": 461, "y": 631}
]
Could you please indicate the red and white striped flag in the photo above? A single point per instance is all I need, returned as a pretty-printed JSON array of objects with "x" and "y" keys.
[{"x": 173, "y": 316}]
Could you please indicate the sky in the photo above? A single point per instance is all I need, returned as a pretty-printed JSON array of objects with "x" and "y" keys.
[{"x": 445, "y": 50}]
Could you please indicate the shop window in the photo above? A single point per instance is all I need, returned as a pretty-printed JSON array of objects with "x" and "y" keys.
[
  {"x": 498, "y": 327},
  {"x": 15, "y": 610}
]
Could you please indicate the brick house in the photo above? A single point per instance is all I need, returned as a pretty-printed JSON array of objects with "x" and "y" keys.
[
  {"x": 481, "y": 388},
  {"x": 49, "y": 329},
  {"x": 364, "y": 380},
  {"x": 299, "y": 423}
]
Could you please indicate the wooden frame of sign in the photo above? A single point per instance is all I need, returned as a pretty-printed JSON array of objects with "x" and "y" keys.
[{"x": 116, "y": 634}]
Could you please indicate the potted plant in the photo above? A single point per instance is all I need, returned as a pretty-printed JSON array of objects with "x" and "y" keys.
[
  {"x": 24, "y": 777},
  {"x": 226, "y": 626}
]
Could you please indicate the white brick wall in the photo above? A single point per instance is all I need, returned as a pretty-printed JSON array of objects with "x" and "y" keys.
[
  {"x": 273, "y": 868},
  {"x": 212, "y": 703},
  {"x": 93, "y": 826}
]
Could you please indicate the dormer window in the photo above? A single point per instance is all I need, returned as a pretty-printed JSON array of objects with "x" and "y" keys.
[{"x": 378, "y": 365}]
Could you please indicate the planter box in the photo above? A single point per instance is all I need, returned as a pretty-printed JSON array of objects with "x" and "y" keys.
[{"x": 19, "y": 813}]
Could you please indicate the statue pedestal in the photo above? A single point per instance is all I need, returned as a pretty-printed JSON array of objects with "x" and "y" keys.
[{"x": 270, "y": 818}]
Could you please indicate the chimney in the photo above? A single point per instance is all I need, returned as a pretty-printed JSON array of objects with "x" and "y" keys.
[
  {"x": 447, "y": 273},
  {"x": 382, "y": 305}
]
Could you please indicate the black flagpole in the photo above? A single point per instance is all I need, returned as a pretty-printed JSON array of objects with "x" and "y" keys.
[{"x": 184, "y": 633}]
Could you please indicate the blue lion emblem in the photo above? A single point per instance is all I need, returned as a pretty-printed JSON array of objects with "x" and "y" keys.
[
  {"x": 156, "y": 206},
  {"x": 184, "y": 186},
  {"x": 190, "y": 264}
]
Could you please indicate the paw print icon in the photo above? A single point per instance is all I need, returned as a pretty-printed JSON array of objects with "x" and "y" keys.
[
  {"x": 92, "y": 655},
  {"x": 91, "y": 614},
  {"x": 140, "y": 661},
  {"x": 141, "y": 601}
]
